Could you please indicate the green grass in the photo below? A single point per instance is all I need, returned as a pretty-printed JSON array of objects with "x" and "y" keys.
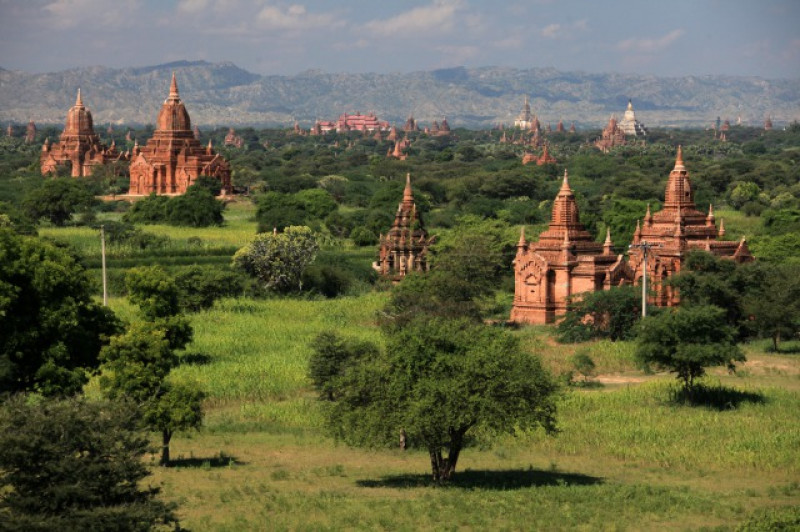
[{"x": 626, "y": 457}]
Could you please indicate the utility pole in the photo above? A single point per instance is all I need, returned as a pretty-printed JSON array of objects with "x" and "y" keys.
[
  {"x": 645, "y": 246},
  {"x": 103, "y": 258}
]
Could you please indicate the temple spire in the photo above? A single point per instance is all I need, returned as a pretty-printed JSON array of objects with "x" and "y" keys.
[
  {"x": 679, "y": 160},
  {"x": 79, "y": 100},
  {"x": 608, "y": 244},
  {"x": 522, "y": 242},
  {"x": 408, "y": 196},
  {"x": 565, "y": 183},
  {"x": 173, "y": 89}
]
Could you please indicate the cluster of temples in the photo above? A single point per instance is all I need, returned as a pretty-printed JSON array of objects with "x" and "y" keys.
[
  {"x": 565, "y": 261},
  {"x": 171, "y": 161}
]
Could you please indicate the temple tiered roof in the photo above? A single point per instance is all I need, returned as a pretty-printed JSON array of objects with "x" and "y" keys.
[{"x": 173, "y": 158}]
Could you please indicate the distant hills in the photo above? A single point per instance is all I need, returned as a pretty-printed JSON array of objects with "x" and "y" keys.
[{"x": 222, "y": 94}]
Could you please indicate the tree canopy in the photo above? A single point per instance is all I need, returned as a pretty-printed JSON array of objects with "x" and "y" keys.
[
  {"x": 278, "y": 260},
  {"x": 52, "y": 331},
  {"x": 75, "y": 465},
  {"x": 686, "y": 341},
  {"x": 438, "y": 381}
]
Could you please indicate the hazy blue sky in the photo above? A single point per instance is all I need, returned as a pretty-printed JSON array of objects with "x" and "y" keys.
[{"x": 668, "y": 38}]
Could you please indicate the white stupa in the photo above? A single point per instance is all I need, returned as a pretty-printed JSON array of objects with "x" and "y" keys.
[{"x": 630, "y": 125}]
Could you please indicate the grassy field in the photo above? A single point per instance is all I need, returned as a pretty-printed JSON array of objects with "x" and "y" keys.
[{"x": 626, "y": 457}]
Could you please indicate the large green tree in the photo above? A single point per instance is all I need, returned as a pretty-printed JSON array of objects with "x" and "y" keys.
[
  {"x": 438, "y": 381},
  {"x": 686, "y": 341},
  {"x": 50, "y": 329},
  {"x": 75, "y": 465},
  {"x": 278, "y": 260},
  {"x": 57, "y": 199}
]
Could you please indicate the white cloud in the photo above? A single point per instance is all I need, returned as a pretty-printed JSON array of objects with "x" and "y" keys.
[
  {"x": 294, "y": 17},
  {"x": 559, "y": 31},
  {"x": 192, "y": 6},
  {"x": 551, "y": 31},
  {"x": 437, "y": 16},
  {"x": 72, "y": 13},
  {"x": 649, "y": 45}
]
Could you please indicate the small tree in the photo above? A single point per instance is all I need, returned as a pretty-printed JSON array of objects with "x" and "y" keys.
[
  {"x": 687, "y": 341},
  {"x": 438, "y": 381},
  {"x": 608, "y": 314},
  {"x": 75, "y": 465},
  {"x": 279, "y": 259},
  {"x": 136, "y": 367},
  {"x": 137, "y": 364},
  {"x": 775, "y": 306},
  {"x": 583, "y": 364}
]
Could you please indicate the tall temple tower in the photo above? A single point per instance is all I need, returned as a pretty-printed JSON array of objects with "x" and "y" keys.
[
  {"x": 173, "y": 158},
  {"x": 629, "y": 124},
  {"x": 525, "y": 118},
  {"x": 674, "y": 231},
  {"x": 78, "y": 145},
  {"x": 566, "y": 261},
  {"x": 405, "y": 247}
]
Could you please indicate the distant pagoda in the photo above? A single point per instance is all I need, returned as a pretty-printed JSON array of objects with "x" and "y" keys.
[
  {"x": 78, "y": 146},
  {"x": 674, "y": 231},
  {"x": 565, "y": 261},
  {"x": 629, "y": 124},
  {"x": 173, "y": 158},
  {"x": 405, "y": 247}
]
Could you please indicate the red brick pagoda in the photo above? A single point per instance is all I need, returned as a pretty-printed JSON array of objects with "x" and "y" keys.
[
  {"x": 564, "y": 262},
  {"x": 672, "y": 232},
  {"x": 612, "y": 135},
  {"x": 405, "y": 247},
  {"x": 78, "y": 145},
  {"x": 173, "y": 158}
]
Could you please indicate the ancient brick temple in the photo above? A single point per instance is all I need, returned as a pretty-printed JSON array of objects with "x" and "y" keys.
[
  {"x": 232, "y": 139},
  {"x": 78, "y": 145},
  {"x": 30, "y": 132},
  {"x": 173, "y": 158},
  {"x": 672, "y": 232},
  {"x": 405, "y": 247},
  {"x": 545, "y": 158},
  {"x": 611, "y": 136},
  {"x": 564, "y": 262}
]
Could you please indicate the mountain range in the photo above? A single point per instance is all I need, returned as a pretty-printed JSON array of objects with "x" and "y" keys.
[{"x": 222, "y": 94}]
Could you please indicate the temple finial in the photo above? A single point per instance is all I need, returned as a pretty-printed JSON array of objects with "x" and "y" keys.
[
  {"x": 565, "y": 183},
  {"x": 721, "y": 231},
  {"x": 407, "y": 194},
  {"x": 173, "y": 88},
  {"x": 679, "y": 159},
  {"x": 608, "y": 244},
  {"x": 522, "y": 242},
  {"x": 79, "y": 100}
]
